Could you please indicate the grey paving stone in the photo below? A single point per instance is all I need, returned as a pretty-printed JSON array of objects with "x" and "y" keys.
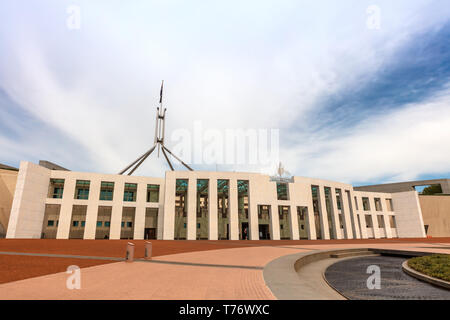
[{"x": 350, "y": 278}]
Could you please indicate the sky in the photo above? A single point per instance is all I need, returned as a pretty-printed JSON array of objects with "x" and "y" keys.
[{"x": 357, "y": 91}]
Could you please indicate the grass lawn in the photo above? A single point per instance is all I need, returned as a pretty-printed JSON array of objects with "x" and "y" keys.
[{"x": 437, "y": 266}]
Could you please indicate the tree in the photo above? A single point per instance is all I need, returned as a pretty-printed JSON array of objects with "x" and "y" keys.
[{"x": 433, "y": 189}]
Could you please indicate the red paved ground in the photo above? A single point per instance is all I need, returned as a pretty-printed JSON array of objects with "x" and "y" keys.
[
  {"x": 23, "y": 267},
  {"x": 15, "y": 268},
  {"x": 116, "y": 248}
]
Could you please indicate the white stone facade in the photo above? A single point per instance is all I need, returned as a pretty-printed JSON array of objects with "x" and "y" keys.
[{"x": 349, "y": 219}]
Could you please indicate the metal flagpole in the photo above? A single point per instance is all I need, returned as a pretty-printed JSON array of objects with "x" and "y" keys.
[{"x": 158, "y": 141}]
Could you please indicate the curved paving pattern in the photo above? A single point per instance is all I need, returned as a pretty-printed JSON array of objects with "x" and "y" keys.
[
  {"x": 231, "y": 272},
  {"x": 350, "y": 278}
]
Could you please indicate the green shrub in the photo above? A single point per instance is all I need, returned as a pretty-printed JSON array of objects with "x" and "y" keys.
[{"x": 437, "y": 265}]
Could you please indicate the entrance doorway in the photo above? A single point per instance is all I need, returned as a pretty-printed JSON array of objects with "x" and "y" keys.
[
  {"x": 244, "y": 231},
  {"x": 264, "y": 233},
  {"x": 150, "y": 233}
]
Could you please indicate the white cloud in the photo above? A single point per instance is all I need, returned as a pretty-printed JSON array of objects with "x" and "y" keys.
[
  {"x": 401, "y": 144},
  {"x": 252, "y": 65}
]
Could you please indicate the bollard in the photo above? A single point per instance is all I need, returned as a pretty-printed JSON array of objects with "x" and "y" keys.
[
  {"x": 148, "y": 250},
  {"x": 130, "y": 252}
]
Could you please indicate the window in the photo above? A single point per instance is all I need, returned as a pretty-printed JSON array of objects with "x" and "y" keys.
[
  {"x": 378, "y": 204},
  {"x": 328, "y": 205},
  {"x": 181, "y": 199},
  {"x": 285, "y": 224},
  {"x": 282, "y": 191},
  {"x": 316, "y": 210},
  {"x": 152, "y": 193},
  {"x": 366, "y": 204},
  {"x": 99, "y": 223},
  {"x": 82, "y": 189},
  {"x": 83, "y": 223},
  {"x": 75, "y": 223},
  {"x": 129, "y": 193},
  {"x": 56, "y": 188},
  {"x": 369, "y": 221},
  {"x": 341, "y": 221},
  {"x": 50, "y": 223},
  {"x": 339, "y": 199},
  {"x": 380, "y": 221},
  {"x": 222, "y": 208},
  {"x": 106, "y": 191},
  {"x": 356, "y": 204},
  {"x": 202, "y": 198},
  {"x": 107, "y": 223},
  {"x": 389, "y": 205},
  {"x": 392, "y": 222},
  {"x": 302, "y": 213},
  {"x": 264, "y": 212},
  {"x": 127, "y": 223},
  {"x": 243, "y": 201}
]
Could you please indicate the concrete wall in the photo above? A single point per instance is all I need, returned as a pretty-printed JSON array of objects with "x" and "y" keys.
[
  {"x": 27, "y": 212},
  {"x": 8, "y": 179},
  {"x": 406, "y": 186},
  {"x": 408, "y": 214},
  {"x": 31, "y": 195},
  {"x": 436, "y": 214}
]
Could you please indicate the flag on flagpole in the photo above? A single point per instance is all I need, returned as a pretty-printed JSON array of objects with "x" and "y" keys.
[{"x": 161, "y": 92}]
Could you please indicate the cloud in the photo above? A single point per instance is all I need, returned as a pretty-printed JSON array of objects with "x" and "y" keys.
[
  {"x": 397, "y": 145},
  {"x": 91, "y": 93}
]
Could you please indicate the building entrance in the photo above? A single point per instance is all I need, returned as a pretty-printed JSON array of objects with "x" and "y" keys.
[
  {"x": 150, "y": 233},
  {"x": 264, "y": 233},
  {"x": 245, "y": 231}
]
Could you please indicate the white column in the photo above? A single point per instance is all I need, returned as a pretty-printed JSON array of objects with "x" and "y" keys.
[
  {"x": 169, "y": 207},
  {"x": 346, "y": 214},
  {"x": 323, "y": 214},
  {"x": 192, "y": 209},
  {"x": 92, "y": 210},
  {"x": 355, "y": 215},
  {"x": 212, "y": 210},
  {"x": 65, "y": 215},
  {"x": 293, "y": 221},
  {"x": 274, "y": 222},
  {"x": 252, "y": 212},
  {"x": 234, "y": 219},
  {"x": 335, "y": 214},
  {"x": 139, "y": 218},
  {"x": 117, "y": 209}
]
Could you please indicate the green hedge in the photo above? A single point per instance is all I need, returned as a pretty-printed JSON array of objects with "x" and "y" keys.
[{"x": 437, "y": 266}]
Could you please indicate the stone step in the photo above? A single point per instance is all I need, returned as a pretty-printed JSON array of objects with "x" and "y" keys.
[{"x": 351, "y": 254}]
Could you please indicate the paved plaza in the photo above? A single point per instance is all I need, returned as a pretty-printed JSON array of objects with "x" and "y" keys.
[{"x": 206, "y": 270}]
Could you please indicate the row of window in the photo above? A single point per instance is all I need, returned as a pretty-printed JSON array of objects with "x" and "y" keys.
[
  {"x": 51, "y": 223},
  {"x": 130, "y": 191},
  {"x": 378, "y": 206},
  {"x": 380, "y": 220},
  {"x": 82, "y": 189}
]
